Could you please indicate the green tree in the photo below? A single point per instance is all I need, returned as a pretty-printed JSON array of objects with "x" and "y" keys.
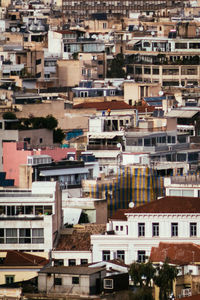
[
  {"x": 115, "y": 69},
  {"x": 50, "y": 122},
  {"x": 142, "y": 273},
  {"x": 164, "y": 278},
  {"x": 9, "y": 116},
  {"x": 58, "y": 135}
]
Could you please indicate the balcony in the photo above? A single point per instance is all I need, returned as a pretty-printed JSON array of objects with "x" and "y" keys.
[{"x": 102, "y": 147}]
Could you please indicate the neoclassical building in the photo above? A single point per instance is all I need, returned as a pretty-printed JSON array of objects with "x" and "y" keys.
[{"x": 131, "y": 233}]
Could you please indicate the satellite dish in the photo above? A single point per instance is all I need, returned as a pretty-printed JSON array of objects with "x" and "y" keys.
[
  {"x": 161, "y": 93},
  {"x": 141, "y": 28},
  {"x": 128, "y": 77},
  {"x": 152, "y": 33},
  {"x": 71, "y": 158},
  {"x": 94, "y": 36},
  {"x": 13, "y": 29},
  {"x": 118, "y": 145},
  {"x": 3, "y": 97},
  {"x": 131, "y": 205}
]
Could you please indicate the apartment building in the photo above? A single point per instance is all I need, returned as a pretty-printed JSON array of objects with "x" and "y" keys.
[
  {"x": 169, "y": 61},
  {"x": 131, "y": 233},
  {"x": 80, "y": 9},
  {"x": 30, "y": 219}
]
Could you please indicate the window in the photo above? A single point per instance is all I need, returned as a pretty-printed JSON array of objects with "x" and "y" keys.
[
  {"x": 174, "y": 229},
  {"x": 155, "y": 229},
  {"x": 120, "y": 254},
  {"x": 9, "y": 279},
  {"x": 141, "y": 229},
  {"x": 59, "y": 262},
  {"x": 108, "y": 283},
  {"x": 141, "y": 256},
  {"x": 84, "y": 261},
  {"x": 117, "y": 228},
  {"x": 121, "y": 228},
  {"x": 41, "y": 140},
  {"x": 57, "y": 281},
  {"x": 106, "y": 255},
  {"x": 193, "y": 229},
  {"x": 38, "y": 61},
  {"x": 75, "y": 280},
  {"x": 11, "y": 236},
  {"x": 37, "y": 235},
  {"x": 1, "y": 236},
  {"x": 24, "y": 236},
  {"x": 71, "y": 262},
  {"x": 104, "y": 25}
]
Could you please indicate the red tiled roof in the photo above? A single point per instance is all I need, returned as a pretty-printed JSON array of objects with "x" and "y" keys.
[
  {"x": 167, "y": 204},
  {"x": 144, "y": 108},
  {"x": 79, "y": 239},
  {"x": 113, "y": 105},
  {"x": 176, "y": 253},
  {"x": 17, "y": 258}
]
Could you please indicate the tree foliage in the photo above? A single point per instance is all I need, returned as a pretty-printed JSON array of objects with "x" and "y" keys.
[
  {"x": 9, "y": 116},
  {"x": 58, "y": 135},
  {"x": 115, "y": 69},
  {"x": 164, "y": 279},
  {"x": 143, "y": 273}
]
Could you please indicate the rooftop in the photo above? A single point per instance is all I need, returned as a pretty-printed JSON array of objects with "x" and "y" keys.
[
  {"x": 166, "y": 205},
  {"x": 79, "y": 238},
  {"x": 22, "y": 259},
  {"x": 176, "y": 253},
  {"x": 113, "y": 105},
  {"x": 78, "y": 270}
]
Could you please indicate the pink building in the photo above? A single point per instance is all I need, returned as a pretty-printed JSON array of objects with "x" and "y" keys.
[{"x": 15, "y": 154}]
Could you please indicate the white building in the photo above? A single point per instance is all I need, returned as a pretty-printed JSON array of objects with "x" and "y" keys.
[
  {"x": 131, "y": 233},
  {"x": 30, "y": 219},
  {"x": 186, "y": 186}
]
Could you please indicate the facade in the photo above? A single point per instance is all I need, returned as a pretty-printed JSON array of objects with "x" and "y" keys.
[
  {"x": 31, "y": 219},
  {"x": 184, "y": 186},
  {"x": 123, "y": 8},
  {"x": 16, "y": 154},
  {"x": 71, "y": 280},
  {"x": 131, "y": 233},
  {"x": 16, "y": 266},
  {"x": 158, "y": 60}
]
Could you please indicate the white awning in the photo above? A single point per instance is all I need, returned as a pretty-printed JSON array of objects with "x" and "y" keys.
[
  {"x": 69, "y": 171},
  {"x": 102, "y": 135}
]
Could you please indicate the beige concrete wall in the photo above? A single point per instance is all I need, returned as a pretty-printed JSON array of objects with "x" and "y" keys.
[
  {"x": 25, "y": 177},
  {"x": 78, "y": 100},
  {"x": 67, "y": 119},
  {"x": 14, "y": 38},
  {"x": 35, "y": 135},
  {"x": 5, "y": 3},
  {"x": 68, "y": 72}
]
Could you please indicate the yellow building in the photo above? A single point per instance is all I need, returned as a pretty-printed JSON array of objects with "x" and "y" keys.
[{"x": 18, "y": 266}]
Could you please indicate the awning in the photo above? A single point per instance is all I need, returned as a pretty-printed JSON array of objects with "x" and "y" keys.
[
  {"x": 69, "y": 171},
  {"x": 102, "y": 135}
]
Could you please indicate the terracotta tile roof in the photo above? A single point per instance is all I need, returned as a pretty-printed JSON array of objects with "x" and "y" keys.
[
  {"x": 177, "y": 253},
  {"x": 167, "y": 204},
  {"x": 17, "y": 258},
  {"x": 144, "y": 108},
  {"x": 78, "y": 270},
  {"x": 113, "y": 105},
  {"x": 80, "y": 238}
]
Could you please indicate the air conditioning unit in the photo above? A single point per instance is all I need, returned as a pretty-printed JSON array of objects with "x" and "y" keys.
[{"x": 186, "y": 292}]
